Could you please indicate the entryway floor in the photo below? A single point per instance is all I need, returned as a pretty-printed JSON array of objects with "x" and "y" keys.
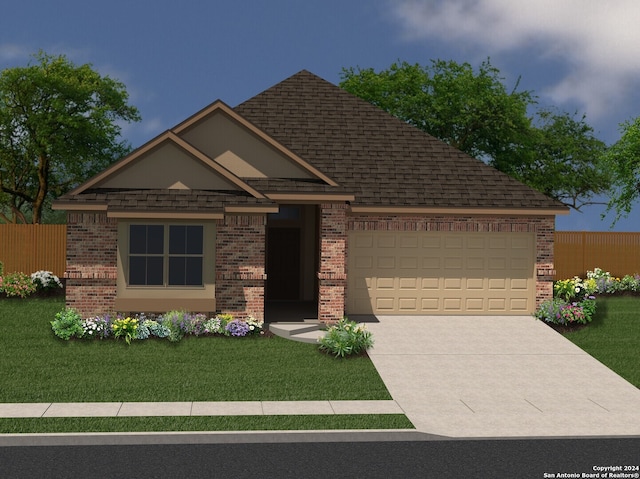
[{"x": 284, "y": 311}]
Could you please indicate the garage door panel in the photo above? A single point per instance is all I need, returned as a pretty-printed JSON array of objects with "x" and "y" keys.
[
  {"x": 385, "y": 304},
  {"x": 387, "y": 241},
  {"x": 453, "y": 283},
  {"x": 386, "y": 283},
  {"x": 519, "y": 304},
  {"x": 409, "y": 262},
  {"x": 430, "y": 283},
  {"x": 392, "y": 272},
  {"x": 408, "y": 283},
  {"x": 386, "y": 262},
  {"x": 475, "y": 283}
]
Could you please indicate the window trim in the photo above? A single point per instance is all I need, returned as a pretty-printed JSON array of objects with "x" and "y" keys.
[{"x": 190, "y": 296}]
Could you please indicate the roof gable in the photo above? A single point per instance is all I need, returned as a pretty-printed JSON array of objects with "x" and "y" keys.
[{"x": 232, "y": 141}]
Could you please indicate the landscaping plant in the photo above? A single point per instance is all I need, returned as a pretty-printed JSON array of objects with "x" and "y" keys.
[
  {"x": 346, "y": 338},
  {"x": 17, "y": 285},
  {"x": 45, "y": 281},
  {"x": 68, "y": 323}
]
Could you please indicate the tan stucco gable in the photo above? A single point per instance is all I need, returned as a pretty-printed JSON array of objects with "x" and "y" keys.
[{"x": 233, "y": 142}]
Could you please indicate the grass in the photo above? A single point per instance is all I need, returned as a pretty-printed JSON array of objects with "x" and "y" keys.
[
  {"x": 613, "y": 336},
  {"x": 38, "y": 367},
  {"x": 217, "y": 423}
]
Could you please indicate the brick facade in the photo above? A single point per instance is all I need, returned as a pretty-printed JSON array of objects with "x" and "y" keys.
[
  {"x": 240, "y": 265},
  {"x": 240, "y": 256},
  {"x": 542, "y": 226},
  {"x": 91, "y": 262},
  {"x": 332, "y": 277}
]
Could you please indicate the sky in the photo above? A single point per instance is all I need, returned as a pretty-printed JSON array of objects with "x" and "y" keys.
[{"x": 175, "y": 58}]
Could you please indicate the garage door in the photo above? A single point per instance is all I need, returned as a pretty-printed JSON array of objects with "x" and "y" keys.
[{"x": 440, "y": 273}]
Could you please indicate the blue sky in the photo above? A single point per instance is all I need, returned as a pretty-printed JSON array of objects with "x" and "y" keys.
[{"x": 177, "y": 57}]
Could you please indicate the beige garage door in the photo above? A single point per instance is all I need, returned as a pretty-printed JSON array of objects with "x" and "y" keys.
[{"x": 440, "y": 273}]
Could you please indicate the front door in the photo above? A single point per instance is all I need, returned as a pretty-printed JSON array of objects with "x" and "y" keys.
[{"x": 283, "y": 264}]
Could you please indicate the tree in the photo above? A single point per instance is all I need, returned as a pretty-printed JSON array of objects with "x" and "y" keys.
[
  {"x": 475, "y": 112},
  {"x": 566, "y": 160},
  {"x": 58, "y": 126},
  {"x": 623, "y": 160}
]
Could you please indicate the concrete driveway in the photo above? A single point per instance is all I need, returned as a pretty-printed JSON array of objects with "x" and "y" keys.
[{"x": 497, "y": 376}]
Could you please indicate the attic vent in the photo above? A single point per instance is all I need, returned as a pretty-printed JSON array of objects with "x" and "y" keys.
[{"x": 179, "y": 185}]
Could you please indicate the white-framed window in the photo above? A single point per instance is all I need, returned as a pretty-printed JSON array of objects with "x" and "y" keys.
[{"x": 165, "y": 255}]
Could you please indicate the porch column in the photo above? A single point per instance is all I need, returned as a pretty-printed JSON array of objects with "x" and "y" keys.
[
  {"x": 332, "y": 276},
  {"x": 240, "y": 266}
]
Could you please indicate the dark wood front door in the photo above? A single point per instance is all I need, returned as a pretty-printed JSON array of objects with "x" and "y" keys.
[{"x": 283, "y": 264}]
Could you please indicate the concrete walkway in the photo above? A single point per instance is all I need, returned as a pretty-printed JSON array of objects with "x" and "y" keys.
[
  {"x": 499, "y": 377},
  {"x": 230, "y": 408}
]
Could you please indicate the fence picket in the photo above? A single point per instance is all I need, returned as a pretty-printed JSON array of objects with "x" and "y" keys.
[{"x": 29, "y": 248}]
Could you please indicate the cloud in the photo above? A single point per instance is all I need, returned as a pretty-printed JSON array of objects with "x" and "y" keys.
[
  {"x": 596, "y": 41},
  {"x": 12, "y": 51}
]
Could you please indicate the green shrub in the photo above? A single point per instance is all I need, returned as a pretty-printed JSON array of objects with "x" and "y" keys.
[
  {"x": 346, "y": 338},
  {"x": 68, "y": 323}
]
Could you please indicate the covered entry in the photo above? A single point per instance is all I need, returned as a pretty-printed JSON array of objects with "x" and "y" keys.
[
  {"x": 420, "y": 272},
  {"x": 291, "y": 290}
]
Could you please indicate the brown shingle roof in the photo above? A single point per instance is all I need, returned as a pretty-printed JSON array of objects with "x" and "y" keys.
[
  {"x": 382, "y": 160},
  {"x": 173, "y": 200}
]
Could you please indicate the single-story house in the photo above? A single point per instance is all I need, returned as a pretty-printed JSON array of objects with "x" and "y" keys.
[{"x": 306, "y": 193}]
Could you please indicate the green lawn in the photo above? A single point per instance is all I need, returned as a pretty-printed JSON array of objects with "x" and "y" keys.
[
  {"x": 213, "y": 423},
  {"x": 613, "y": 337},
  {"x": 38, "y": 367}
]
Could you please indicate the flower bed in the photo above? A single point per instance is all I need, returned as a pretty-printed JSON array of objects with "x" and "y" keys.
[
  {"x": 173, "y": 325},
  {"x": 21, "y": 285},
  {"x": 574, "y": 300}
]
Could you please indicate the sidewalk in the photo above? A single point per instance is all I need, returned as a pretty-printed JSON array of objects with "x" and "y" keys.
[{"x": 227, "y": 408}]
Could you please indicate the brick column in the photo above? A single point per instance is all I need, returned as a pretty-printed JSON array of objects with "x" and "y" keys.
[
  {"x": 240, "y": 266},
  {"x": 545, "y": 269},
  {"x": 332, "y": 276},
  {"x": 91, "y": 270}
]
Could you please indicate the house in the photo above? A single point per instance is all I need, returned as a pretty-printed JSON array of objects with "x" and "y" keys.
[{"x": 306, "y": 193}]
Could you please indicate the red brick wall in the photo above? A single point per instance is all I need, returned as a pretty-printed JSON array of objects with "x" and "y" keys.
[
  {"x": 332, "y": 276},
  {"x": 542, "y": 226},
  {"x": 240, "y": 265},
  {"x": 91, "y": 262}
]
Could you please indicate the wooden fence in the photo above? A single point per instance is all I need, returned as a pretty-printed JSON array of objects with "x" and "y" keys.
[
  {"x": 29, "y": 248},
  {"x": 577, "y": 252}
]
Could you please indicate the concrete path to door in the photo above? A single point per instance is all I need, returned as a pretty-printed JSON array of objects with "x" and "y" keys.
[{"x": 497, "y": 376}]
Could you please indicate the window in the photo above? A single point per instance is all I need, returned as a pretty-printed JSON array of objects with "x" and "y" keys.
[{"x": 161, "y": 255}]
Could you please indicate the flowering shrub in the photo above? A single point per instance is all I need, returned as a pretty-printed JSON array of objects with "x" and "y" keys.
[
  {"x": 237, "y": 328},
  {"x": 17, "y": 285},
  {"x": 559, "y": 311},
  {"x": 173, "y": 325},
  {"x": 346, "y": 338},
  {"x": 97, "y": 327},
  {"x": 574, "y": 288},
  {"x": 126, "y": 328},
  {"x": 45, "y": 281}
]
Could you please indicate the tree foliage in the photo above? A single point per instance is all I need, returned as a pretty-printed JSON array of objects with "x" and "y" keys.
[
  {"x": 474, "y": 111},
  {"x": 59, "y": 124},
  {"x": 623, "y": 160}
]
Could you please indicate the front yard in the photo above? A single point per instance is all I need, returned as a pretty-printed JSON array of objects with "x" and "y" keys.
[{"x": 36, "y": 366}]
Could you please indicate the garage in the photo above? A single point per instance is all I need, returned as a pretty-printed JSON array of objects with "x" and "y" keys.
[{"x": 426, "y": 272}]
